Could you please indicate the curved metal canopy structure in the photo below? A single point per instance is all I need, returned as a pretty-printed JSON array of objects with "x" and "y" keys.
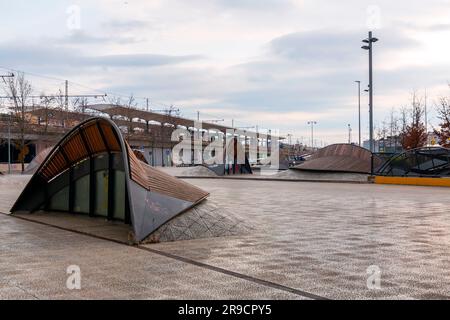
[
  {"x": 428, "y": 161},
  {"x": 93, "y": 171},
  {"x": 341, "y": 158}
]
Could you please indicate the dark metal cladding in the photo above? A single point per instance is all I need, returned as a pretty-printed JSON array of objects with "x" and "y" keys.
[{"x": 94, "y": 147}]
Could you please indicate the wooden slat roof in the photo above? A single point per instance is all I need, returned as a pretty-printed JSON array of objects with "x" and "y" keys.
[
  {"x": 98, "y": 136},
  {"x": 341, "y": 158},
  {"x": 155, "y": 180}
]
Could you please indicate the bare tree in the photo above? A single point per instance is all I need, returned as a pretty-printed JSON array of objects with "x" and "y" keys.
[
  {"x": 403, "y": 120},
  {"x": 443, "y": 114},
  {"x": 20, "y": 89},
  {"x": 131, "y": 104},
  {"x": 381, "y": 133},
  {"x": 46, "y": 106},
  {"x": 414, "y": 134},
  {"x": 381, "y": 130},
  {"x": 60, "y": 102},
  {"x": 80, "y": 104},
  {"x": 393, "y": 129},
  {"x": 117, "y": 101}
]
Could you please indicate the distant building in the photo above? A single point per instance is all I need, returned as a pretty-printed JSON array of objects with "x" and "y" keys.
[
  {"x": 393, "y": 144},
  {"x": 385, "y": 145},
  {"x": 432, "y": 139}
]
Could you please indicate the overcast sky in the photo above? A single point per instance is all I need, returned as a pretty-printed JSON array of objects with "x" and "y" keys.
[{"x": 272, "y": 63}]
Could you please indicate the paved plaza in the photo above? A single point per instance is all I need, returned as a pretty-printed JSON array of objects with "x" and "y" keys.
[{"x": 307, "y": 240}]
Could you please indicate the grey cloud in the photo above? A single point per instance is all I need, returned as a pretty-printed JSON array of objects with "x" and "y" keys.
[
  {"x": 15, "y": 55},
  {"x": 435, "y": 27},
  {"x": 438, "y": 27},
  {"x": 255, "y": 4},
  {"x": 81, "y": 37},
  {"x": 313, "y": 45},
  {"x": 126, "y": 25},
  {"x": 171, "y": 82},
  {"x": 319, "y": 47},
  {"x": 56, "y": 57},
  {"x": 278, "y": 84},
  {"x": 248, "y": 7},
  {"x": 137, "y": 60},
  {"x": 411, "y": 77},
  {"x": 319, "y": 90}
]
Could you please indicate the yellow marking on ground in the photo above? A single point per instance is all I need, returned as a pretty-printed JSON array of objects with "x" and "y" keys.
[{"x": 414, "y": 181}]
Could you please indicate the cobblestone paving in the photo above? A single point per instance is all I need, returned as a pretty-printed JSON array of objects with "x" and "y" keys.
[
  {"x": 10, "y": 188},
  {"x": 315, "y": 237},
  {"x": 34, "y": 259},
  {"x": 322, "y": 237}
]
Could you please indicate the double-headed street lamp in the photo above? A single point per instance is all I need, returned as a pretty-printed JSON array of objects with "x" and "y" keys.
[
  {"x": 368, "y": 46},
  {"x": 349, "y": 133},
  {"x": 312, "y": 123}
]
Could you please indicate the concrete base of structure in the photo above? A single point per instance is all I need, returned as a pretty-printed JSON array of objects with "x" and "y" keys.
[
  {"x": 206, "y": 220},
  {"x": 295, "y": 174}
]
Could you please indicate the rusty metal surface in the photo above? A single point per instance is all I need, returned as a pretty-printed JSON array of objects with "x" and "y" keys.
[
  {"x": 341, "y": 158},
  {"x": 97, "y": 136},
  {"x": 155, "y": 180},
  {"x": 140, "y": 155}
]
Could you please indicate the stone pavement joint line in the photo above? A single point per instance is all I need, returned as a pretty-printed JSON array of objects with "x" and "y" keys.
[
  {"x": 274, "y": 179},
  {"x": 66, "y": 229},
  {"x": 266, "y": 283},
  {"x": 235, "y": 274}
]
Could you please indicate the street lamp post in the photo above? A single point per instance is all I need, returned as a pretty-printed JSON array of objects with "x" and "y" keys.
[
  {"x": 11, "y": 75},
  {"x": 369, "y": 41},
  {"x": 290, "y": 144},
  {"x": 349, "y": 134},
  {"x": 312, "y": 123},
  {"x": 9, "y": 144},
  {"x": 359, "y": 112},
  {"x": 289, "y": 138}
]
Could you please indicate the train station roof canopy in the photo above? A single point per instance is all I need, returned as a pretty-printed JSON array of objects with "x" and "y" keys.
[{"x": 132, "y": 113}]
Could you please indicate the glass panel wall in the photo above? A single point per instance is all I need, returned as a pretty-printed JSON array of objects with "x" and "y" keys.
[
  {"x": 60, "y": 200},
  {"x": 81, "y": 191},
  {"x": 81, "y": 196},
  {"x": 119, "y": 195},
  {"x": 101, "y": 193}
]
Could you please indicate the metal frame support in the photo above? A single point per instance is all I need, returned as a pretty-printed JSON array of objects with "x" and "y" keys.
[
  {"x": 110, "y": 186},
  {"x": 92, "y": 186},
  {"x": 71, "y": 191},
  {"x": 127, "y": 208}
]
